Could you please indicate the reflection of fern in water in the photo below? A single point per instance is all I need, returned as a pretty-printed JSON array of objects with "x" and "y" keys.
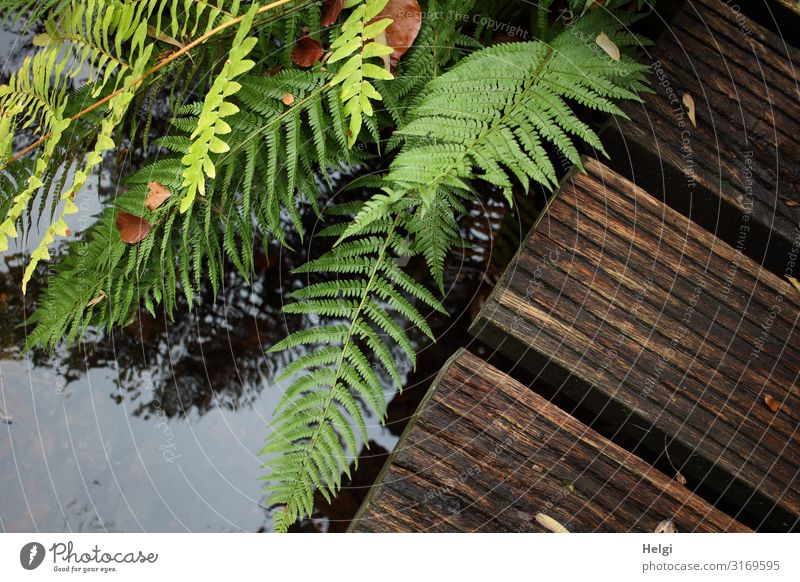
[{"x": 245, "y": 161}]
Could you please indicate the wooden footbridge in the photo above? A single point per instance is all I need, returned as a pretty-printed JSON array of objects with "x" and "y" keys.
[{"x": 654, "y": 299}]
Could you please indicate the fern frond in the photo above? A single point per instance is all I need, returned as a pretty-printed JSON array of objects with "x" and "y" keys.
[
  {"x": 356, "y": 45},
  {"x": 210, "y": 124},
  {"x": 118, "y": 107},
  {"x": 33, "y": 96},
  {"x": 31, "y": 11},
  {"x": 286, "y": 144},
  {"x": 491, "y": 117},
  {"x": 336, "y": 372}
]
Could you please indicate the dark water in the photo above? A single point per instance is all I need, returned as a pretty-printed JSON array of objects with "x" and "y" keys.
[
  {"x": 152, "y": 428},
  {"x": 156, "y": 427}
]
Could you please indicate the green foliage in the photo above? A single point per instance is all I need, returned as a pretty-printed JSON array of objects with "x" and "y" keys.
[
  {"x": 440, "y": 43},
  {"x": 357, "y": 44},
  {"x": 114, "y": 40},
  {"x": 118, "y": 106},
  {"x": 269, "y": 169},
  {"x": 489, "y": 117},
  {"x": 335, "y": 376},
  {"x": 30, "y": 10},
  {"x": 493, "y": 116},
  {"x": 210, "y": 123},
  {"x": 248, "y": 155}
]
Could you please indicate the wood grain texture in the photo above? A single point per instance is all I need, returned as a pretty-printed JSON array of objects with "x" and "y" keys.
[
  {"x": 485, "y": 453},
  {"x": 743, "y": 80},
  {"x": 643, "y": 305}
]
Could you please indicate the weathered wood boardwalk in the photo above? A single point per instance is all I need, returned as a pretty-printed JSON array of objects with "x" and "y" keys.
[
  {"x": 740, "y": 156},
  {"x": 653, "y": 297},
  {"x": 639, "y": 303},
  {"x": 487, "y": 454}
]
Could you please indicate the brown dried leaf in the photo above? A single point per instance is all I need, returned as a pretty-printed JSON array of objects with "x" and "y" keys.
[
  {"x": 156, "y": 195},
  {"x": 406, "y": 18},
  {"x": 163, "y": 37},
  {"x": 608, "y": 45},
  {"x": 132, "y": 228},
  {"x": 666, "y": 526},
  {"x": 287, "y": 99},
  {"x": 680, "y": 479},
  {"x": 549, "y": 523},
  {"x": 688, "y": 100},
  {"x": 790, "y": 203},
  {"x": 307, "y": 51},
  {"x": 330, "y": 11},
  {"x": 100, "y": 296},
  {"x": 771, "y": 403}
]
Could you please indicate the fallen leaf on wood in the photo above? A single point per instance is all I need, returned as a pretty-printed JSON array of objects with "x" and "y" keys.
[
  {"x": 97, "y": 299},
  {"x": 307, "y": 51},
  {"x": 688, "y": 100},
  {"x": 406, "y": 18},
  {"x": 330, "y": 11},
  {"x": 680, "y": 479},
  {"x": 608, "y": 45},
  {"x": 666, "y": 526},
  {"x": 771, "y": 403},
  {"x": 132, "y": 228},
  {"x": 156, "y": 195},
  {"x": 549, "y": 523},
  {"x": 287, "y": 99},
  {"x": 795, "y": 283}
]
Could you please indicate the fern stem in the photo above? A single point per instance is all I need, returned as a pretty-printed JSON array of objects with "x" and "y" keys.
[
  {"x": 362, "y": 304},
  {"x": 177, "y": 54}
]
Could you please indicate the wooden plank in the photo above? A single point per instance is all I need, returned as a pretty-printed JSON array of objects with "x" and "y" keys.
[
  {"x": 739, "y": 168},
  {"x": 684, "y": 332},
  {"x": 485, "y": 453}
]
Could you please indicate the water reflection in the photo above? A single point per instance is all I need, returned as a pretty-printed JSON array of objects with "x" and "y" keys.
[{"x": 153, "y": 428}]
